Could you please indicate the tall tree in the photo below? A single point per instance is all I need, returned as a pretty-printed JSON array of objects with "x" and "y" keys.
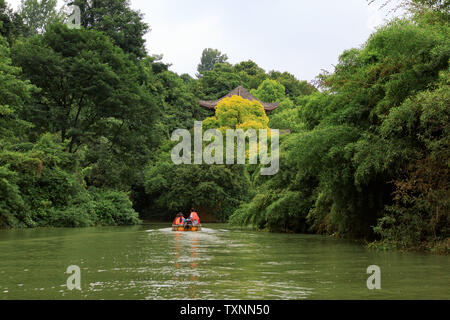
[
  {"x": 209, "y": 58},
  {"x": 116, "y": 18},
  {"x": 90, "y": 88},
  {"x": 250, "y": 73},
  {"x": 14, "y": 95},
  {"x": 218, "y": 82},
  {"x": 294, "y": 88},
  {"x": 11, "y": 24},
  {"x": 37, "y": 15}
]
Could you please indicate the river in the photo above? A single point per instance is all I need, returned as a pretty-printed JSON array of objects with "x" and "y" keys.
[{"x": 220, "y": 262}]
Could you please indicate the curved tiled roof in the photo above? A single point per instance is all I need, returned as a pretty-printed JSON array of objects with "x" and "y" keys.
[{"x": 242, "y": 92}]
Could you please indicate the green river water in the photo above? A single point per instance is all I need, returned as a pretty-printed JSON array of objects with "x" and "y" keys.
[{"x": 152, "y": 262}]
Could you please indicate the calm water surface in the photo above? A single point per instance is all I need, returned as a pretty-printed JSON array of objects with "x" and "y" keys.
[{"x": 152, "y": 262}]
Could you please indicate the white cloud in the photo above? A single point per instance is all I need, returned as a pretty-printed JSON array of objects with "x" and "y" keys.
[
  {"x": 299, "y": 36},
  {"x": 181, "y": 42},
  {"x": 374, "y": 20}
]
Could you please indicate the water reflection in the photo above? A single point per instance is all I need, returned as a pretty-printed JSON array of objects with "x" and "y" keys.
[
  {"x": 192, "y": 242},
  {"x": 194, "y": 264},
  {"x": 177, "y": 253}
]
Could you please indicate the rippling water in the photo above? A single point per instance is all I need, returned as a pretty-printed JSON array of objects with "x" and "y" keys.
[{"x": 152, "y": 262}]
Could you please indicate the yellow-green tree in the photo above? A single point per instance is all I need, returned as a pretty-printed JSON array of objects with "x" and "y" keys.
[{"x": 237, "y": 113}]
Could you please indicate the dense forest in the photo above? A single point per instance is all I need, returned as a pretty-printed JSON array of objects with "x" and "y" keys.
[{"x": 86, "y": 117}]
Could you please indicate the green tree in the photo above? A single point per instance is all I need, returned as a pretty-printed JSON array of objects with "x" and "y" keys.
[
  {"x": 115, "y": 18},
  {"x": 293, "y": 88},
  {"x": 217, "y": 190},
  {"x": 209, "y": 58},
  {"x": 218, "y": 82},
  {"x": 37, "y": 15},
  {"x": 250, "y": 73},
  {"x": 11, "y": 24},
  {"x": 419, "y": 215},
  {"x": 178, "y": 106},
  {"x": 42, "y": 185},
  {"x": 270, "y": 91},
  {"x": 15, "y": 95},
  {"x": 372, "y": 124},
  {"x": 90, "y": 88}
]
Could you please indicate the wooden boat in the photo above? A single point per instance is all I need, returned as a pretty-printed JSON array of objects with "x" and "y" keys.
[{"x": 186, "y": 227}]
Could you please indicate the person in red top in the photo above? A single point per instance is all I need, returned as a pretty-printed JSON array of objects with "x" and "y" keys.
[
  {"x": 194, "y": 217},
  {"x": 179, "y": 219}
]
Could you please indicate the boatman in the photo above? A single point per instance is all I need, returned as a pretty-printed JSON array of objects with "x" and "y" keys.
[{"x": 194, "y": 217}]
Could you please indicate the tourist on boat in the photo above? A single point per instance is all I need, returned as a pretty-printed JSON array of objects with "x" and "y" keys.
[
  {"x": 179, "y": 219},
  {"x": 194, "y": 217}
]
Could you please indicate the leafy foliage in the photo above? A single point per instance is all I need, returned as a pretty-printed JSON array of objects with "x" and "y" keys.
[
  {"x": 216, "y": 189},
  {"x": 270, "y": 91},
  {"x": 36, "y": 15},
  {"x": 124, "y": 26},
  {"x": 209, "y": 58},
  {"x": 369, "y": 156},
  {"x": 237, "y": 113}
]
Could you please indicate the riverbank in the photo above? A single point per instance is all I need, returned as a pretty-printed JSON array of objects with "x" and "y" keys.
[{"x": 439, "y": 247}]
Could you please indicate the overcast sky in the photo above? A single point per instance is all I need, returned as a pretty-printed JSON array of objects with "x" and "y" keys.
[{"x": 299, "y": 36}]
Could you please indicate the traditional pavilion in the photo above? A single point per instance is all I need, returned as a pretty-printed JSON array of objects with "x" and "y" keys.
[{"x": 242, "y": 92}]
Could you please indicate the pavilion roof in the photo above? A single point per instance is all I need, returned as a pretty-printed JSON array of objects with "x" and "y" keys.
[{"x": 242, "y": 92}]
